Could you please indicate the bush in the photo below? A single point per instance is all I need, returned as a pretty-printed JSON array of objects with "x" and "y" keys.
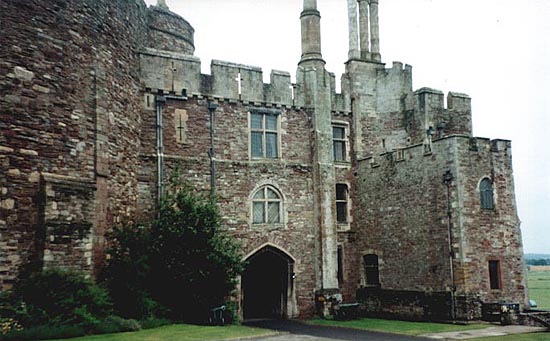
[
  {"x": 183, "y": 261},
  {"x": 45, "y": 332},
  {"x": 59, "y": 297},
  {"x": 12, "y": 311},
  {"x": 154, "y": 323},
  {"x": 117, "y": 324}
]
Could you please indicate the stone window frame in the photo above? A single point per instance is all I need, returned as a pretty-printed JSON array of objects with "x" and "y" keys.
[
  {"x": 486, "y": 190},
  {"x": 264, "y": 131},
  {"x": 343, "y": 225},
  {"x": 495, "y": 286},
  {"x": 345, "y": 140},
  {"x": 281, "y": 200}
]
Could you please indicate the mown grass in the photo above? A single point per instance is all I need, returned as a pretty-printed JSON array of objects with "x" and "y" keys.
[
  {"x": 181, "y": 332},
  {"x": 399, "y": 327},
  {"x": 538, "y": 283}
]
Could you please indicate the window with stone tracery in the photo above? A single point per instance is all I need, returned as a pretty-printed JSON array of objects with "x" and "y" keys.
[{"x": 266, "y": 206}]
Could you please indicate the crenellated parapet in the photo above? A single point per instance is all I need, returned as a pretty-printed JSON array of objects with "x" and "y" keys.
[
  {"x": 177, "y": 72},
  {"x": 438, "y": 120}
]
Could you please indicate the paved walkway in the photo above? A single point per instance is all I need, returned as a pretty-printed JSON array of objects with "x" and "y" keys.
[
  {"x": 298, "y": 331},
  {"x": 490, "y": 331}
]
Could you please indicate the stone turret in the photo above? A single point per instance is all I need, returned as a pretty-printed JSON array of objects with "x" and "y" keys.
[{"x": 169, "y": 31}]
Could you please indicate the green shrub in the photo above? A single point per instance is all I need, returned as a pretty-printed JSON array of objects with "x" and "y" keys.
[
  {"x": 154, "y": 323},
  {"x": 60, "y": 297},
  {"x": 12, "y": 312},
  {"x": 117, "y": 324},
  {"x": 183, "y": 261},
  {"x": 45, "y": 332}
]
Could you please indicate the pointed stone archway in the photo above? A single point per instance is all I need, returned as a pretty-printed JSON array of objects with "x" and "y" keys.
[{"x": 267, "y": 284}]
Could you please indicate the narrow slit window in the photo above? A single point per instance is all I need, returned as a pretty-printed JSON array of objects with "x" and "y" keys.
[
  {"x": 494, "y": 274},
  {"x": 340, "y": 264},
  {"x": 341, "y": 203}
]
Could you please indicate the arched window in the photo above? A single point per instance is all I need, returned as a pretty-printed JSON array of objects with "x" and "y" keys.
[
  {"x": 266, "y": 206},
  {"x": 486, "y": 194}
]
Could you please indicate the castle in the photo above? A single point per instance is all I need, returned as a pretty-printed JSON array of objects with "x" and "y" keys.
[{"x": 379, "y": 193}]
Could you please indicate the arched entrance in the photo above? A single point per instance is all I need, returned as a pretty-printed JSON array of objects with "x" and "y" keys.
[{"x": 267, "y": 284}]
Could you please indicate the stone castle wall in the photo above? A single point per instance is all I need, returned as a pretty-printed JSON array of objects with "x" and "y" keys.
[
  {"x": 402, "y": 217},
  {"x": 238, "y": 177},
  {"x": 78, "y": 154},
  {"x": 489, "y": 234},
  {"x": 69, "y": 107}
]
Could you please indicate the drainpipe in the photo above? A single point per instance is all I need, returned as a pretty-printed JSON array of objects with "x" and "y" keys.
[
  {"x": 212, "y": 108},
  {"x": 447, "y": 178},
  {"x": 160, "y": 100}
]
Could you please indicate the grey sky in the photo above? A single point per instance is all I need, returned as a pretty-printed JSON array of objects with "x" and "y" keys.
[{"x": 497, "y": 51}]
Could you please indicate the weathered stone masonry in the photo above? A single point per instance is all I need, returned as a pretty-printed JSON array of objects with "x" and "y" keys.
[{"x": 102, "y": 101}]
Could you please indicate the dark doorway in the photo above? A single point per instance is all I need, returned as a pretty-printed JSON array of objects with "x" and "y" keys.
[{"x": 266, "y": 283}]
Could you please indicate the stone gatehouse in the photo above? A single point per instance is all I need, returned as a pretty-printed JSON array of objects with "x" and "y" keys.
[{"x": 379, "y": 193}]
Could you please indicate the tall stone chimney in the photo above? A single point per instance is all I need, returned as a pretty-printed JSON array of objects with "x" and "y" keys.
[
  {"x": 311, "y": 32},
  {"x": 162, "y": 4}
]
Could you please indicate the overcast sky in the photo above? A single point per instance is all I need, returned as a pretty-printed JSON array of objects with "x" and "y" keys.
[{"x": 497, "y": 51}]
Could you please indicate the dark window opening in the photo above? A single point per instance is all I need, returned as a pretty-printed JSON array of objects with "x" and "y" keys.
[
  {"x": 486, "y": 194},
  {"x": 340, "y": 264},
  {"x": 341, "y": 203},
  {"x": 372, "y": 274},
  {"x": 494, "y": 274}
]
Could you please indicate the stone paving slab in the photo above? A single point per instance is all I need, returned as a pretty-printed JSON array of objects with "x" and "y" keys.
[{"x": 491, "y": 331}]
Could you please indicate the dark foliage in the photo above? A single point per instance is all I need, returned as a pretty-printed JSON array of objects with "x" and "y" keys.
[
  {"x": 182, "y": 262},
  {"x": 59, "y": 297}
]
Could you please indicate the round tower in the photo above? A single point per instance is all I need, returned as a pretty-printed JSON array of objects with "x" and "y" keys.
[{"x": 168, "y": 31}]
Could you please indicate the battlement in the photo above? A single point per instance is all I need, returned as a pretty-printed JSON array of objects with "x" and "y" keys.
[
  {"x": 419, "y": 151},
  {"x": 175, "y": 72},
  {"x": 433, "y": 99}
]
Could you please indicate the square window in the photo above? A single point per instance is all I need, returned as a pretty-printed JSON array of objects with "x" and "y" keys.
[{"x": 264, "y": 135}]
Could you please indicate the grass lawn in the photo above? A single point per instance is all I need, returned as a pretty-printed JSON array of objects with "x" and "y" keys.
[
  {"x": 399, "y": 327},
  {"x": 180, "y": 332},
  {"x": 538, "y": 283}
]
